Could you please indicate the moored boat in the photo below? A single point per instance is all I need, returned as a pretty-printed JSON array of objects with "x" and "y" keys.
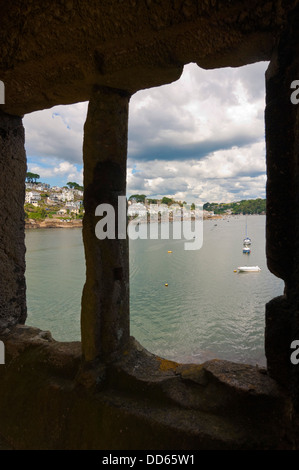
[
  {"x": 249, "y": 269},
  {"x": 247, "y": 241}
]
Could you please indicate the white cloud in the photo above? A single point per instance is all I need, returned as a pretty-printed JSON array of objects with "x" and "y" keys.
[
  {"x": 219, "y": 175},
  {"x": 56, "y": 132},
  {"x": 65, "y": 170},
  {"x": 199, "y": 137},
  {"x": 213, "y": 104}
]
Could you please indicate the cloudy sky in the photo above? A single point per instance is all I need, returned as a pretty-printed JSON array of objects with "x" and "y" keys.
[{"x": 198, "y": 139}]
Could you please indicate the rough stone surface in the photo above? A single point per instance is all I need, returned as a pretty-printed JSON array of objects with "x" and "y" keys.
[
  {"x": 105, "y": 301},
  {"x": 282, "y": 230},
  {"x": 12, "y": 243},
  {"x": 128, "y": 45},
  {"x": 278, "y": 338},
  {"x": 116, "y": 395},
  {"x": 51, "y": 399}
]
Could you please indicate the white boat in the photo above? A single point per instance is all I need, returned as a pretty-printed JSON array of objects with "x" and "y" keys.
[
  {"x": 249, "y": 269},
  {"x": 247, "y": 241}
]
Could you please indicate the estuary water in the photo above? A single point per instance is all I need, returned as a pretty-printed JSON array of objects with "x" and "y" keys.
[{"x": 206, "y": 311}]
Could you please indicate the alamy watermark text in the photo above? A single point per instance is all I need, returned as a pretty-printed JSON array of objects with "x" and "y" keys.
[
  {"x": 295, "y": 354},
  {"x": 2, "y": 93},
  {"x": 295, "y": 94},
  {"x": 2, "y": 353},
  {"x": 153, "y": 222}
]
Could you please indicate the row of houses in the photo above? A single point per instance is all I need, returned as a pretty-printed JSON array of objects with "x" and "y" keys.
[
  {"x": 75, "y": 192},
  {"x": 42, "y": 195},
  {"x": 32, "y": 197},
  {"x": 159, "y": 207},
  {"x": 38, "y": 186},
  {"x": 143, "y": 210},
  {"x": 65, "y": 194}
]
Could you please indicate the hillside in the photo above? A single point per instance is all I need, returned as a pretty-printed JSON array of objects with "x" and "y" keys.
[{"x": 250, "y": 206}]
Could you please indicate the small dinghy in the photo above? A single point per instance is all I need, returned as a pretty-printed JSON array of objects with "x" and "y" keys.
[{"x": 249, "y": 269}]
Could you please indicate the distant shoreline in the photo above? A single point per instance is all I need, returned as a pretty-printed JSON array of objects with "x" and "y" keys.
[
  {"x": 52, "y": 223},
  {"x": 77, "y": 223}
]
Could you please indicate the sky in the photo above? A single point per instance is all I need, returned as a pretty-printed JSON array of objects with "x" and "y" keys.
[{"x": 199, "y": 139}]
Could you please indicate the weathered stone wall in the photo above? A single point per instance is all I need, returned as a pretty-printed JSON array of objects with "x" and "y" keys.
[
  {"x": 282, "y": 232},
  {"x": 128, "y": 45},
  {"x": 57, "y": 401},
  {"x": 12, "y": 236},
  {"x": 112, "y": 393}
]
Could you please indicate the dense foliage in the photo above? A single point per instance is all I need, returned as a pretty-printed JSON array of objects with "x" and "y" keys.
[
  {"x": 74, "y": 185},
  {"x": 137, "y": 198},
  {"x": 250, "y": 206}
]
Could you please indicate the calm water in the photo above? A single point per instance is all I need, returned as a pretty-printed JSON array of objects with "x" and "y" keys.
[{"x": 206, "y": 311}]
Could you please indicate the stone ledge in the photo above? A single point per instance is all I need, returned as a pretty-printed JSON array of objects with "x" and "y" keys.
[{"x": 51, "y": 399}]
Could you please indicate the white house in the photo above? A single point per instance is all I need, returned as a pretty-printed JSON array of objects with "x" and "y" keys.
[
  {"x": 53, "y": 199},
  {"x": 62, "y": 212},
  {"x": 32, "y": 197},
  {"x": 42, "y": 186},
  {"x": 73, "y": 207},
  {"x": 137, "y": 208}
]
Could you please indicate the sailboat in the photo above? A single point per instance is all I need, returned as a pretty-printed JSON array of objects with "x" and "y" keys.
[{"x": 247, "y": 240}]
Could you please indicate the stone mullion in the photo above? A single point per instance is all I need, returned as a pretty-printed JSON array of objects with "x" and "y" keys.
[{"x": 105, "y": 300}]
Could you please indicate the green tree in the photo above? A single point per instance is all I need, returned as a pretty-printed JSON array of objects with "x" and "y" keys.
[
  {"x": 152, "y": 201},
  {"x": 31, "y": 177},
  {"x": 138, "y": 197},
  {"x": 245, "y": 206},
  {"x": 167, "y": 200},
  {"x": 74, "y": 185}
]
